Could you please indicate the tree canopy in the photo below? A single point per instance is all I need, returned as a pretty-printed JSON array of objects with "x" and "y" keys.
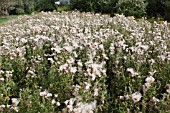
[{"x": 4, "y": 4}]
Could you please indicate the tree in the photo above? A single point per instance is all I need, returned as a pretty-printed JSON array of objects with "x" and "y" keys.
[
  {"x": 167, "y": 10},
  {"x": 17, "y": 7},
  {"x": 135, "y": 8},
  {"x": 103, "y": 6},
  {"x": 46, "y": 5},
  {"x": 4, "y": 5},
  {"x": 28, "y": 6},
  {"x": 155, "y": 8},
  {"x": 22, "y": 7}
]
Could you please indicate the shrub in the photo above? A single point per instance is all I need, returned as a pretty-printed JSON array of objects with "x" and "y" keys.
[
  {"x": 167, "y": 11},
  {"x": 135, "y": 8},
  {"x": 65, "y": 7},
  {"x": 81, "y": 5},
  {"x": 155, "y": 8},
  {"x": 46, "y": 5},
  {"x": 128, "y": 7},
  {"x": 29, "y": 6},
  {"x": 19, "y": 11},
  {"x": 17, "y": 7},
  {"x": 104, "y": 6}
]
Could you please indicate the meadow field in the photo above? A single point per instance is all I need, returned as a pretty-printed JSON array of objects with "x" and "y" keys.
[{"x": 72, "y": 62}]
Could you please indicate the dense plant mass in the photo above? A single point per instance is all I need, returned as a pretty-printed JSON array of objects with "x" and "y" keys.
[
  {"x": 138, "y": 8},
  {"x": 135, "y": 8},
  {"x": 83, "y": 63},
  {"x": 104, "y": 6},
  {"x": 156, "y": 8},
  {"x": 45, "y": 5}
]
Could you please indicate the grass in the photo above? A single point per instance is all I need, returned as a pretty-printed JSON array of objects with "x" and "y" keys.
[
  {"x": 7, "y": 18},
  {"x": 2, "y": 20},
  {"x": 63, "y": 8}
]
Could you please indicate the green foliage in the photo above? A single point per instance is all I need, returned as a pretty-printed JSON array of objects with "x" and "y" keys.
[
  {"x": 46, "y": 5},
  {"x": 19, "y": 11},
  {"x": 104, "y": 6},
  {"x": 22, "y": 7},
  {"x": 28, "y": 6},
  {"x": 2, "y": 20},
  {"x": 17, "y": 8},
  {"x": 63, "y": 8},
  {"x": 128, "y": 7},
  {"x": 167, "y": 10},
  {"x": 155, "y": 8},
  {"x": 4, "y": 5},
  {"x": 135, "y": 8}
]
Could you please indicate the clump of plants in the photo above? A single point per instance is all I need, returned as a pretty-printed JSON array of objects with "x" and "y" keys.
[{"x": 84, "y": 62}]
